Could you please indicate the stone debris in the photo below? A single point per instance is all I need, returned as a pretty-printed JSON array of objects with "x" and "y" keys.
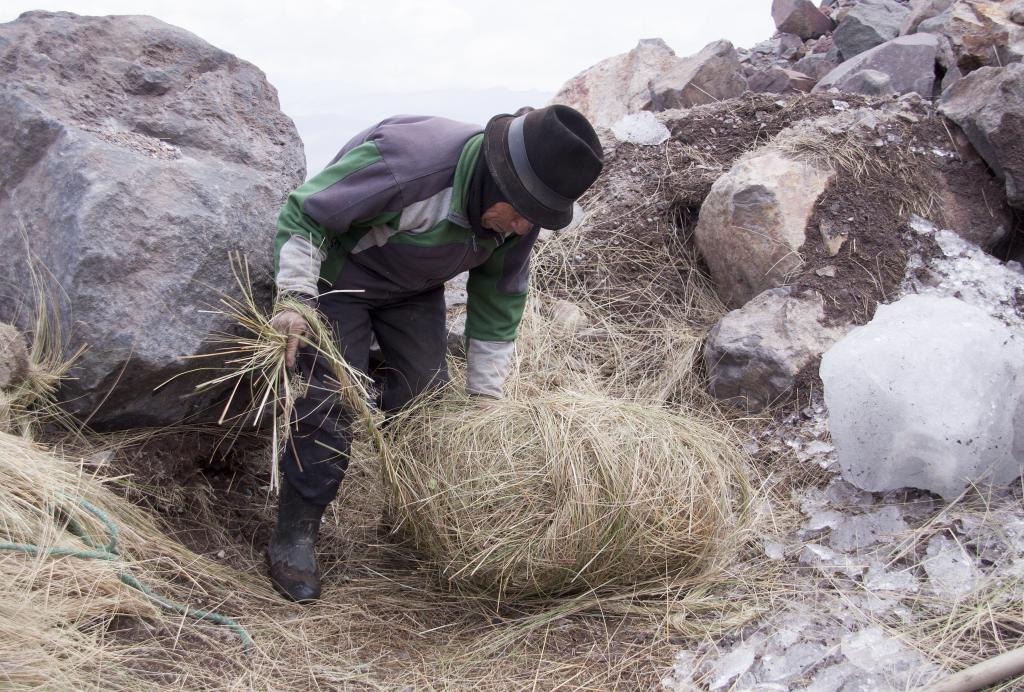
[
  {"x": 989, "y": 105},
  {"x": 754, "y": 353},
  {"x": 868, "y": 24},
  {"x": 890, "y": 555}
]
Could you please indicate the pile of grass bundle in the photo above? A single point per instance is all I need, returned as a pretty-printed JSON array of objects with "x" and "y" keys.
[
  {"x": 76, "y": 563},
  {"x": 563, "y": 492},
  {"x": 53, "y": 611}
]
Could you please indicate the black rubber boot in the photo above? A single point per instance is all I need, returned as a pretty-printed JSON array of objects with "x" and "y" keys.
[{"x": 293, "y": 567}]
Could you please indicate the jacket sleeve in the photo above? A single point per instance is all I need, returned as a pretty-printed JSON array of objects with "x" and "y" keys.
[
  {"x": 359, "y": 185},
  {"x": 496, "y": 299}
]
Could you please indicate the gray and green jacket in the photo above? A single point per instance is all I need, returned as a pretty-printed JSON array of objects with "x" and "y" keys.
[{"x": 388, "y": 217}]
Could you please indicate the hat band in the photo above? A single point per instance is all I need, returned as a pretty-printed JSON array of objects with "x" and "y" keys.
[{"x": 533, "y": 184}]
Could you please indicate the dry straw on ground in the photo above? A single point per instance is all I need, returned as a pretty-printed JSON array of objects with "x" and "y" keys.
[
  {"x": 564, "y": 492},
  {"x": 68, "y": 549}
]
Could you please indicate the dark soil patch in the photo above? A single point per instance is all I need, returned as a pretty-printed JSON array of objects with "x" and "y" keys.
[
  {"x": 637, "y": 256},
  {"x": 870, "y": 265},
  {"x": 916, "y": 168}
]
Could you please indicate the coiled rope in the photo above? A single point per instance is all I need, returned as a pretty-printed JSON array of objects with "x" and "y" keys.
[{"x": 110, "y": 553}]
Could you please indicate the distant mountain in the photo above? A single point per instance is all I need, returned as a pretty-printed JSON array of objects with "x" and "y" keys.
[{"x": 324, "y": 133}]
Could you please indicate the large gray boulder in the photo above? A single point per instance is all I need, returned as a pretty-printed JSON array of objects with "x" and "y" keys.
[
  {"x": 909, "y": 61},
  {"x": 136, "y": 158},
  {"x": 779, "y": 80},
  {"x": 714, "y": 74},
  {"x": 901, "y": 416},
  {"x": 754, "y": 221},
  {"x": 754, "y": 354},
  {"x": 920, "y": 11},
  {"x": 988, "y": 104},
  {"x": 868, "y": 24},
  {"x": 800, "y": 17},
  {"x": 816, "y": 66},
  {"x": 980, "y": 33},
  {"x": 620, "y": 84}
]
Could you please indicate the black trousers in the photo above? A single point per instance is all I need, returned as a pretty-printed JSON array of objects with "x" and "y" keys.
[{"x": 412, "y": 335}]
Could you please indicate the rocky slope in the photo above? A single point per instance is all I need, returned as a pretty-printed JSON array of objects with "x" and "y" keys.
[{"x": 871, "y": 165}]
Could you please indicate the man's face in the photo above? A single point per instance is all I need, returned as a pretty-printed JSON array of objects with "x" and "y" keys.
[{"x": 503, "y": 218}]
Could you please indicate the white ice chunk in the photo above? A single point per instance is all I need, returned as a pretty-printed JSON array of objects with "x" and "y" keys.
[
  {"x": 814, "y": 554},
  {"x": 874, "y": 651},
  {"x": 863, "y": 530},
  {"x": 879, "y": 578},
  {"x": 967, "y": 272},
  {"x": 846, "y": 677},
  {"x": 825, "y": 519},
  {"x": 827, "y": 560},
  {"x": 927, "y": 395},
  {"x": 640, "y": 128},
  {"x": 731, "y": 666},
  {"x": 843, "y": 494},
  {"x": 681, "y": 678},
  {"x": 792, "y": 663},
  {"x": 951, "y": 571},
  {"x": 774, "y": 550}
]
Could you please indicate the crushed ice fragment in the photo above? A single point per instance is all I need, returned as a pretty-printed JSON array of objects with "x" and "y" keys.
[{"x": 951, "y": 571}]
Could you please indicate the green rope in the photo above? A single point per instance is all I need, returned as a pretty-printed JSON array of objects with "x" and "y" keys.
[{"x": 110, "y": 553}]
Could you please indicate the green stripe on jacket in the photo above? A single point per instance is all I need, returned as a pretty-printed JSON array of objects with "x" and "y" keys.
[{"x": 293, "y": 220}]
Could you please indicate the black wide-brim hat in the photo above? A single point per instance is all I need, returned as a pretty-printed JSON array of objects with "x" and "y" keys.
[{"x": 542, "y": 161}]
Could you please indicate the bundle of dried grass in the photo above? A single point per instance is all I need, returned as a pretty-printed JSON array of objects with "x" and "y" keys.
[
  {"x": 257, "y": 359},
  {"x": 75, "y": 560},
  {"x": 563, "y": 492},
  {"x": 32, "y": 399}
]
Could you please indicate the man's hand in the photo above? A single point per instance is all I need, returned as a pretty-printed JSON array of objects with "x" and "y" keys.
[{"x": 293, "y": 325}]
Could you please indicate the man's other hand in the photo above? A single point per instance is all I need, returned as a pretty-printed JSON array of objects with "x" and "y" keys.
[{"x": 293, "y": 325}]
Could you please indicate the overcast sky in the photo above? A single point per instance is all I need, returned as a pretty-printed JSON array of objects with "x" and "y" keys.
[{"x": 360, "y": 60}]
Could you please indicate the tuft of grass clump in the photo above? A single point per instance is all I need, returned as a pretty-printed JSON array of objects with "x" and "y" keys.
[
  {"x": 32, "y": 401},
  {"x": 563, "y": 493},
  {"x": 255, "y": 359}
]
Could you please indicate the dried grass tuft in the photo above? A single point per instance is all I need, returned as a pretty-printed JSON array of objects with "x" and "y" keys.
[
  {"x": 256, "y": 359},
  {"x": 563, "y": 492},
  {"x": 33, "y": 401},
  {"x": 63, "y": 596}
]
